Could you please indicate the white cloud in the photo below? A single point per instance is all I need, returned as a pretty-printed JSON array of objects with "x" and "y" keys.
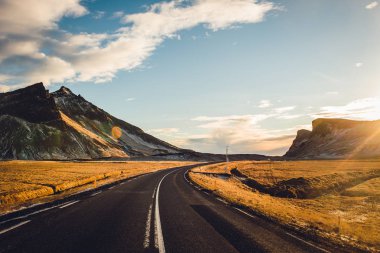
[
  {"x": 244, "y": 133},
  {"x": 9, "y": 47},
  {"x": 130, "y": 99},
  {"x": 163, "y": 131},
  {"x": 164, "y": 19},
  {"x": 226, "y": 121},
  {"x": 4, "y": 88},
  {"x": 145, "y": 31},
  {"x": 117, "y": 14},
  {"x": 33, "y": 24},
  {"x": 50, "y": 70},
  {"x": 99, "y": 14},
  {"x": 289, "y": 116},
  {"x": 24, "y": 29},
  {"x": 359, "y": 64},
  {"x": 372, "y": 5},
  {"x": 84, "y": 40},
  {"x": 281, "y": 110},
  {"x": 171, "y": 135},
  {"x": 332, "y": 93},
  {"x": 361, "y": 109},
  {"x": 28, "y": 16},
  {"x": 4, "y": 78},
  {"x": 264, "y": 104},
  {"x": 327, "y": 78}
]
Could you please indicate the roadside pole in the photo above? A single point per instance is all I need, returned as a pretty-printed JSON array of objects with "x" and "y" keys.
[{"x": 227, "y": 160}]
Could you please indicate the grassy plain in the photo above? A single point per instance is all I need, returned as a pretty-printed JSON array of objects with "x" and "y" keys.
[
  {"x": 348, "y": 216},
  {"x": 25, "y": 181}
]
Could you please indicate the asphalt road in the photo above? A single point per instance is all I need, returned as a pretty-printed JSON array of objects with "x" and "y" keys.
[{"x": 158, "y": 212}]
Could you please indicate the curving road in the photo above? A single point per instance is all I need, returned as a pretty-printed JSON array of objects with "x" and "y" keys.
[{"x": 158, "y": 212}]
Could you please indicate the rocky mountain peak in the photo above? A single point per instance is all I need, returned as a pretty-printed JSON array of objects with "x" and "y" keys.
[
  {"x": 63, "y": 91},
  {"x": 37, "y": 89},
  {"x": 33, "y": 103}
]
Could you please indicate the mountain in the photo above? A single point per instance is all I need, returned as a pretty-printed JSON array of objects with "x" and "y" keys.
[
  {"x": 337, "y": 138},
  {"x": 36, "y": 124}
]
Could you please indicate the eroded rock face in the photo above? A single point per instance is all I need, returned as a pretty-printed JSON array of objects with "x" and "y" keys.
[
  {"x": 302, "y": 138},
  {"x": 337, "y": 138},
  {"x": 33, "y": 104}
]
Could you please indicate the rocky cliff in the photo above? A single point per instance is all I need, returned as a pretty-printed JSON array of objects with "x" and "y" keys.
[{"x": 337, "y": 138}]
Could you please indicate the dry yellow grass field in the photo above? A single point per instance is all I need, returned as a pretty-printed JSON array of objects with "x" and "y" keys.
[
  {"x": 22, "y": 181},
  {"x": 349, "y": 216},
  {"x": 262, "y": 171}
]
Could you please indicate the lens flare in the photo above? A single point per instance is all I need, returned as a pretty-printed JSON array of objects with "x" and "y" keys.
[{"x": 116, "y": 132}]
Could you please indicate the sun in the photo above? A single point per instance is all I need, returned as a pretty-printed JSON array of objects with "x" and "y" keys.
[{"x": 116, "y": 132}]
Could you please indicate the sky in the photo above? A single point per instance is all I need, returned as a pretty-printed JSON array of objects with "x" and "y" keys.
[{"x": 202, "y": 74}]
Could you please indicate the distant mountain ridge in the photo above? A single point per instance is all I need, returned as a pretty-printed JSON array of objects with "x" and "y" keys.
[
  {"x": 38, "y": 125},
  {"x": 337, "y": 139}
]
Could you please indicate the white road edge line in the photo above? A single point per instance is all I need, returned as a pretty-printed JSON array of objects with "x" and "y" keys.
[
  {"x": 157, "y": 227},
  {"x": 309, "y": 243},
  {"x": 13, "y": 227},
  {"x": 111, "y": 187},
  {"x": 295, "y": 237},
  {"x": 222, "y": 200},
  {"x": 315, "y": 246},
  {"x": 244, "y": 212},
  {"x": 154, "y": 192},
  {"x": 69, "y": 204},
  {"x": 96, "y": 193},
  {"x": 147, "y": 228},
  {"x": 27, "y": 215},
  {"x": 184, "y": 176},
  {"x": 189, "y": 182}
]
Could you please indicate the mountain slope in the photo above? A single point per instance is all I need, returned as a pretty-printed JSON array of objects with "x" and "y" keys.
[
  {"x": 22, "y": 139},
  {"x": 337, "y": 138},
  {"x": 132, "y": 139},
  {"x": 36, "y": 124}
]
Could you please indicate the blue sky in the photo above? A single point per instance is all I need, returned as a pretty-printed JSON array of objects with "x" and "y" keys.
[{"x": 203, "y": 74}]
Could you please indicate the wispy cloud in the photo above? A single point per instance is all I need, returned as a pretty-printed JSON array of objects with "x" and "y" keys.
[
  {"x": 265, "y": 104},
  {"x": 130, "y": 99},
  {"x": 327, "y": 77},
  {"x": 99, "y": 14},
  {"x": 372, "y": 5},
  {"x": 289, "y": 116},
  {"x": 244, "y": 133},
  {"x": 361, "y": 109},
  {"x": 332, "y": 93},
  {"x": 98, "y": 57},
  {"x": 164, "y": 130},
  {"x": 284, "y": 109},
  {"x": 4, "y": 88},
  {"x": 359, "y": 64},
  {"x": 117, "y": 14}
]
